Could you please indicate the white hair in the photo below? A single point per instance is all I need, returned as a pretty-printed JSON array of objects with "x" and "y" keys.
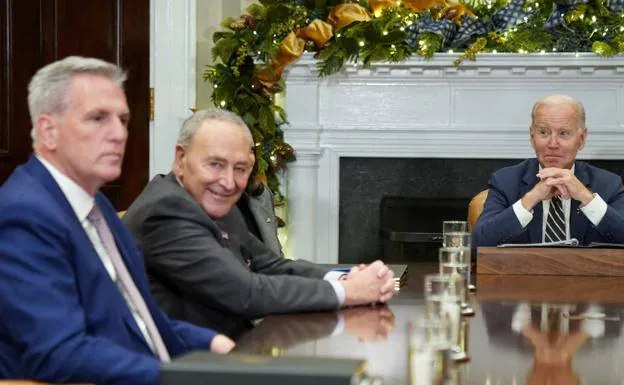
[
  {"x": 48, "y": 89},
  {"x": 561, "y": 100},
  {"x": 192, "y": 124}
]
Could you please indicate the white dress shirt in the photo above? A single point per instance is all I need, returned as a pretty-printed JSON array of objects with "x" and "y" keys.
[
  {"x": 594, "y": 211},
  {"x": 82, "y": 203}
]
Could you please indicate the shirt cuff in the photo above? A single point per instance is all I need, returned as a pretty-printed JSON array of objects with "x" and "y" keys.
[
  {"x": 340, "y": 325},
  {"x": 339, "y": 289},
  {"x": 333, "y": 275},
  {"x": 595, "y": 210},
  {"x": 524, "y": 216}
]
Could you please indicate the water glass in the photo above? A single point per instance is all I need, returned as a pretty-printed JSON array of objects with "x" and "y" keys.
[
  {"x": 456, "y": 234},
  {"x": 429, "y": 349},
  {"x": 456, "y": 261},
  {"x": 454, "y": 227},
  {"x": 443, "y": 295}
]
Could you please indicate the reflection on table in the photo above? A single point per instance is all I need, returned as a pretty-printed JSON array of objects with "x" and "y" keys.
[{"x": 518, "y": 336}]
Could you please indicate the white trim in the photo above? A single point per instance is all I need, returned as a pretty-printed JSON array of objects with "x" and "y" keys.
[{"x": 172, "y": 75}]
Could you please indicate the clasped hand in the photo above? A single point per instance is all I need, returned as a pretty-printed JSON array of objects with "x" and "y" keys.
[
  {"x": 556, "y": 182},
  {"x": 367, "y": 284}
]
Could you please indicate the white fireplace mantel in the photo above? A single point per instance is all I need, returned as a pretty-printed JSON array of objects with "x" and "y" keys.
[{"x": 429, "y": 109}]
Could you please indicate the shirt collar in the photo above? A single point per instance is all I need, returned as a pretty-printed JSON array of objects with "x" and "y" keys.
[
  {"x": 572, "y": 169},
  {"x": 78, "y": 198}
]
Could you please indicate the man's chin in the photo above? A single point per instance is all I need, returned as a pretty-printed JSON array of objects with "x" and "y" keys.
[{"x": 217, "y": 210}]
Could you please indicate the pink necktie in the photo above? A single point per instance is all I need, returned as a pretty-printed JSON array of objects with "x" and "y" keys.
[{"x": 123, "y": 277}]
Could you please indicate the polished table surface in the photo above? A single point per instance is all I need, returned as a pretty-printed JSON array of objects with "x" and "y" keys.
[{"x": 499, "y": 353}]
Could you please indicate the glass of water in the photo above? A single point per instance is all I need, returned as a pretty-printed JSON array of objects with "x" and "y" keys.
[
  {"x": 443, "y": 295},
  {"x": 456, "y": 234},
  {"x": 456, "y": 261},
  {"x": 454, "y": 227},
  {"x": 429, "y": 350}
]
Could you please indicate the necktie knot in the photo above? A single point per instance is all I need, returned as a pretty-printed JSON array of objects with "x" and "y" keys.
[{"x": 95, "y": 216}]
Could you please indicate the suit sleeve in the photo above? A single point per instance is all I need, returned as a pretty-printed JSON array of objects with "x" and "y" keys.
[
  {"x": 180, "y": 245},
  {"x": 498, "y": 223},
  {"x": 267, "y": 262},
  {"x": 611, "y": 227},
  {"x": 42, "y": 312}
]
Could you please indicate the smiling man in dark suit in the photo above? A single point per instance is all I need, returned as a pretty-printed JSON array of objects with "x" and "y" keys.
[
  {"x": 590, "y": 200},
  {"x": 74, "y": 299},
  {"x": 204, "y": 266}
]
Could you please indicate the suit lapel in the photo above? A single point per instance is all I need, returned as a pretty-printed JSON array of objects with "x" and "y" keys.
[
  {"x": 529, "y": 180},
  {"x": 578, "y": 221},
  {"x": 263, "y": 216}
]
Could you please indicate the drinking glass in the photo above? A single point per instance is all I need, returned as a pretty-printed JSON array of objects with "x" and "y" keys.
[
  {"x": 453, "y": 234},
  {"x": 443, "y": 294},
  {"x": 456, "y": 261},
  {"x": 429, "y": 350},
  {"x": 454, "y": 227}
]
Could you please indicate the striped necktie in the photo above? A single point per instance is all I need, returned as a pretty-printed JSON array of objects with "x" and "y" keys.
[{"x": 555, "y": 224}]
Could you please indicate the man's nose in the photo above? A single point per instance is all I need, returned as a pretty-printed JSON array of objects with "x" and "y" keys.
[
  {"x": 119, "y": 131},
  {"x": 554, "y": 141},
  {"x": 227, "y": 179}
]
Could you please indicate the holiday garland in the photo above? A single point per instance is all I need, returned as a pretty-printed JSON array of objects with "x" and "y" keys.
[{"x": 253, "y": 52}]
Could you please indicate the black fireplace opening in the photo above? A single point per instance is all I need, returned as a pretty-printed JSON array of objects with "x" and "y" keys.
[{"x": 410, "y": 229}]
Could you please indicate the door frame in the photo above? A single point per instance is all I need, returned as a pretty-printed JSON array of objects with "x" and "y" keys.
[{"x": 172, "y": 76}]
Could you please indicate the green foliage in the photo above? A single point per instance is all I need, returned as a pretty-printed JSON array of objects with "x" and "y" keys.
[{"x": 252, "y": 42}]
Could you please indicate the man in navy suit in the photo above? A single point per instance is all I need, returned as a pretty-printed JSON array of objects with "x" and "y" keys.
[
  {"x": 74, "y": 298},
  {"x": 517, "y": 206}
]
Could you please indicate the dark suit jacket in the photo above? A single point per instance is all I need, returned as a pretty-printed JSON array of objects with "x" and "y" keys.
[
  {"x": 217, "y": 273},
  {"x": 62, "y": 319},
  {"x": 262, "y": 210},
  {"x": 498, "y": 223}
]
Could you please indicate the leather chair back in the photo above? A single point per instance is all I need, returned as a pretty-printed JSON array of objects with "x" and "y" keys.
[{"x": 475, "y": 207}]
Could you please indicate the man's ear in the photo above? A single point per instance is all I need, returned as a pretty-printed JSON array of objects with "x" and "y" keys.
[
  {"x": 180, "y": 158},
  {"x": 582, "y": 139},
  {"x": 47, "y": 131}
]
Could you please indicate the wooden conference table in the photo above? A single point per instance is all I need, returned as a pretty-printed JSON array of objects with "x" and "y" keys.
[{"x": 498, "y": 354}]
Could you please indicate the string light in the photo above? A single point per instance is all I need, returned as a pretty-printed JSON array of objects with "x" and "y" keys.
[
  {"x": 222, "y": 104},
  {"x": 216, "y": 86},
  {"x": 385, "y": 33},
  {"x": 361, "y": 43}
]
